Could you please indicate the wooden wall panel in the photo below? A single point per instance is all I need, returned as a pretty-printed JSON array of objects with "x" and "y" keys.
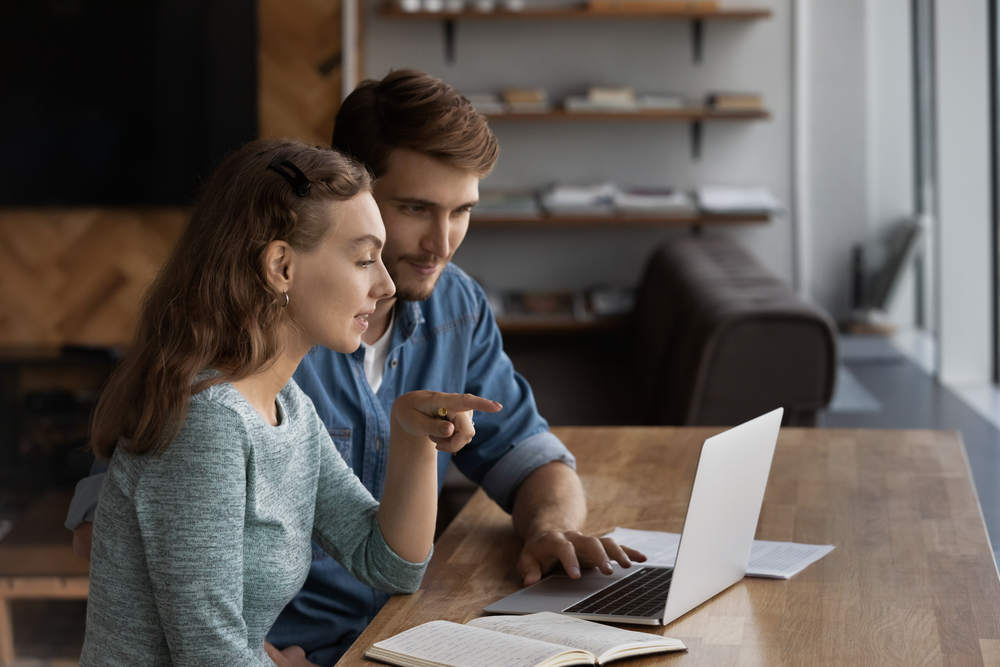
[
  {"x": 78, "y": 276},
  {"x": 299, "y": 68}
]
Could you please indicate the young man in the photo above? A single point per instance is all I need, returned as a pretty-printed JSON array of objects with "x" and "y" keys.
[{"x": 428, "y": 149}]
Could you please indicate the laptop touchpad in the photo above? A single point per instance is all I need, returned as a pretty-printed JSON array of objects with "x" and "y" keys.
[{"x": 560, "y": 584}]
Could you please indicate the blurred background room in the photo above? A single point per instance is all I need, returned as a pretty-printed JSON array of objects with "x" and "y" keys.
[{"x": 702, "y": 209}]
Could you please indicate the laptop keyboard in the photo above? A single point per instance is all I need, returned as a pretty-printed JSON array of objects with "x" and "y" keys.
[{"x": 641, "y": 594}]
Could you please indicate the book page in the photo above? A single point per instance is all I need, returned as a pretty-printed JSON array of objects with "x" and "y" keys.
[
  {"x": 593, "y": 637},
  {"x": 775, "y": 560},
  {"x": 456, "y": 645}
]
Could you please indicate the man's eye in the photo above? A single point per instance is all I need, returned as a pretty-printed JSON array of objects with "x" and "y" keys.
[
  {"x": 415, "y": 209},
  {"x": 365, "y": 263}
]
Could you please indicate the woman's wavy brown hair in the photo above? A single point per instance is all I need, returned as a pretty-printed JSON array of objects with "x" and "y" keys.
[{"x": 211, "y": 306}]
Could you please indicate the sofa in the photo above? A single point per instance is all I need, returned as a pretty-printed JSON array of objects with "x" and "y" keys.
[{"x": 719, "y": 339}]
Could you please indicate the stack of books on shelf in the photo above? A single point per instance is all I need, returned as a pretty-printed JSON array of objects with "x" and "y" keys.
[
  {"x": 608, "y": 200},
  {"x": 572, "y": 200},
  {"x": 652, "y": 6},
  {"x": 506, "y": 204},
  {"x": 598, "y": 99},
  {"x": 654, "y": 202},
  {"x": 486, "y": 103},
  {"x": 527, "y": 100},
  {"x": 603, "y": 99},
  {"x": 737, "y": 200},
  {"x": 734, "y": 102},
  {"x": 621, "y": 99}
]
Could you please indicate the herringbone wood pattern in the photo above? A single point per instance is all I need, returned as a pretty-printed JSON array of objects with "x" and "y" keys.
[
  {"x": 299, "y": 68},
  {"x": 78, "y": 276}
]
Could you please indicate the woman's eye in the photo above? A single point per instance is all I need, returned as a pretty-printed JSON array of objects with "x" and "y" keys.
[{"x": 365, "y": 263}]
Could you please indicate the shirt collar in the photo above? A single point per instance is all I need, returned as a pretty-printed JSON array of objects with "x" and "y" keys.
[{"x": 410, "y": 317}]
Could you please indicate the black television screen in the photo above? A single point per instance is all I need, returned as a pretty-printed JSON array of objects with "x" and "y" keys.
[{"x": 121, "y": 102}]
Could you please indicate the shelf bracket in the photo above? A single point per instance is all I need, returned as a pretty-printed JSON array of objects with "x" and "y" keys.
[
  {"x": 697, "y": 36},
  {"x": 449, "y": 41},
  {"x": 696, "y": 129}
]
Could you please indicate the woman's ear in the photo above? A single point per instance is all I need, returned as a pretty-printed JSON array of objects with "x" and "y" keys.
[{"x": 278, "y": 260}]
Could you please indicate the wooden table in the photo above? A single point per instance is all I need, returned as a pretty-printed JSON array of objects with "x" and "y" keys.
[{"x": 912, "y": 580}]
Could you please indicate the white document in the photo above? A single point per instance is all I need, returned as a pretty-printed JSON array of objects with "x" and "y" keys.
[{"x": 776, "y": 560}]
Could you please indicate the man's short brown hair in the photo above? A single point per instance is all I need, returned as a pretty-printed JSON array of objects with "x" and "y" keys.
[{"x": 411, "y": 109}]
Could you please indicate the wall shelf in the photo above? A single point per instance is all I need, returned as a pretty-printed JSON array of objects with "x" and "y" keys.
[
  {"x": 697, "y": 17},
  {"x": 615, "y": 220},
  {"x": 688, "y": 115},
  {"x": 579, "y": 13}
]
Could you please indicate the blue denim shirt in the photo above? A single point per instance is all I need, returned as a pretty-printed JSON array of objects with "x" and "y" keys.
[{"x": 448, "y": 343}]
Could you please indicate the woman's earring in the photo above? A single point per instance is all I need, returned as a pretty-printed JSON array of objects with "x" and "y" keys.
[{"x": 286, "y": 299}]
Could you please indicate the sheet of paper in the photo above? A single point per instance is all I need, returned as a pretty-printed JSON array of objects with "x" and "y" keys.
[
  {"x": 781, "y": 560},
  {"x": 464, "y": 646},
  {"x": 776, "y": 560}
]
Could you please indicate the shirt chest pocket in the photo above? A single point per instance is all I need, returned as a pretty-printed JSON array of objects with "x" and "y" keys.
[{"x": 342, "y": 441}]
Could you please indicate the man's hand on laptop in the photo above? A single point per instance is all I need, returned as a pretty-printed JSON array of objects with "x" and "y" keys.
[{"x": 544, "y": 550}]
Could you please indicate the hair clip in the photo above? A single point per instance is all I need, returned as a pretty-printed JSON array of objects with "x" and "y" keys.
[{"x": 300, "y": 184}]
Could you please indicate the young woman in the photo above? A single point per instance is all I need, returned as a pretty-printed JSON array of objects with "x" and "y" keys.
[{"x": 221, "y": 473}]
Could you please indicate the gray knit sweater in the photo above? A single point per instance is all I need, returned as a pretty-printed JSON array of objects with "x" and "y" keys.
[{"x": 195, "y": 552}]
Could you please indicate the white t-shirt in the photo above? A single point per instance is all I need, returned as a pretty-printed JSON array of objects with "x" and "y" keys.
[{"x": 376, "y": 353}]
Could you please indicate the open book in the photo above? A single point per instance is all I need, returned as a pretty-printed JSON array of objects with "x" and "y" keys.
[{"x": 535, "y": 640}]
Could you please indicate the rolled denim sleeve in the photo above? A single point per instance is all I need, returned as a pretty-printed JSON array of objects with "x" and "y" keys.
[
  {"x": 506, "y": 475},
  {"x": 512, "y": 443}
]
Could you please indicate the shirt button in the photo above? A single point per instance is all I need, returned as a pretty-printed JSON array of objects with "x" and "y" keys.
[
  {"x": 378, "y": 444},
  {"x": 394, "y": 363}
]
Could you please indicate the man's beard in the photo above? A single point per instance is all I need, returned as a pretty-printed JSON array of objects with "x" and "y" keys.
[{"x": 420, "y": 293}]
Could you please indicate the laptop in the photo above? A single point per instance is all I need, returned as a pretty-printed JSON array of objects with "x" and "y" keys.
[{"x": 714, "y": 548}]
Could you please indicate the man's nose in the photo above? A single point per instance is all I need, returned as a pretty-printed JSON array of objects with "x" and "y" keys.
[{"x": 436, "y": 239}]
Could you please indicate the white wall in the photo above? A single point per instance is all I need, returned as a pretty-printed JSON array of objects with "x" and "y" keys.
[
  {"x": 837, "y": 136},
  {"x": 890, "y": 136},
  {"x": 858, "y": 134}
]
